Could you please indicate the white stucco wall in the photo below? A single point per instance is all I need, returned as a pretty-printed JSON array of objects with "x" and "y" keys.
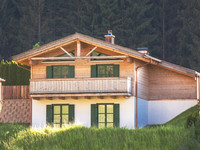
[
  {"x": 142, "y": 113},
  {"x": 83, "y": 110},
  {"x": 160, "y": 112}
]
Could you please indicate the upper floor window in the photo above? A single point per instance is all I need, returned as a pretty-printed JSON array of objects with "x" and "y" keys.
[
  {"x": 105, "y": 70},
  {"x": 60, "y": 71}
]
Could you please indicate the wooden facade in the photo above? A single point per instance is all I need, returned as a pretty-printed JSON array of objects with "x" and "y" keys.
[{"x": 156, "y": 79}]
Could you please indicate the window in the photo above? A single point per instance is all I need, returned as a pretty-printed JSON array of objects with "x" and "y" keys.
[
  {"x": 60, "y": 71},
  {"x": 105, "y": 70},
  {"x": 105, "y": 115},
  {"x": 59, "y": 115}
]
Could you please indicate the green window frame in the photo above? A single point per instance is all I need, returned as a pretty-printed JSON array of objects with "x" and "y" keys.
[
  {"x": 105, "y": 115},
  {"x": 60, "y": 71},
  {"x": 59, "y": 115},
  {"x": 105, "y": 70}
]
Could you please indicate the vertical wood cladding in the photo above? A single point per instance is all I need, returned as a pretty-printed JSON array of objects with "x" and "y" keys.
[
  {"x": 143, "y": 80},
  {"x": 166, "y": 84}
]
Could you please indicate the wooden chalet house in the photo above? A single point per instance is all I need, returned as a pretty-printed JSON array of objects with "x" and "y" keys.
[{"x": 86, "y": 81}]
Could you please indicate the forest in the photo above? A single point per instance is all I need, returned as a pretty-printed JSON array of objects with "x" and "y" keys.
[{"x": 169, "y": 28}]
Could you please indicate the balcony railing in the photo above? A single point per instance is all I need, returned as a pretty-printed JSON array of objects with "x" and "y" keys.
[{"x": 80, "y": 85}]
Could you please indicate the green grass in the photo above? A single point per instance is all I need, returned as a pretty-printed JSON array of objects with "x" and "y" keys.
[
  {"x": 181, "y": 120},
  {"x": 172, "y": 136}
]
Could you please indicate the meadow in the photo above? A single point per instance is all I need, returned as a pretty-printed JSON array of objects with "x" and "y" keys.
[{"x": 174, "y": 135}]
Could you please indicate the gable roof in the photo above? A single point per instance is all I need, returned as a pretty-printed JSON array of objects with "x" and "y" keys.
[{"x": 97, "y": 42}]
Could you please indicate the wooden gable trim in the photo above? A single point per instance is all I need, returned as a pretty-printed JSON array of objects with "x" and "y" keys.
[
  {"x": 42, "y": 52},
  {"x": 99, "y": 43}
]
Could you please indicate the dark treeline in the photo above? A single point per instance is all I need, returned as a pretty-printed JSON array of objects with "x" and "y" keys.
[
  {"x": 169, "y": 28},
  {"x": 13, "y": 74}
]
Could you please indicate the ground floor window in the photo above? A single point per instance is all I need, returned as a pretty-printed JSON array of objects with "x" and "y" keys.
[
  {"x": 59, "y": 115},
  {"x": 105, "y": 115}
]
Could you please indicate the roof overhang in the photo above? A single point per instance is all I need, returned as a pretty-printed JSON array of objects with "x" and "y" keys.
[{"x": 103, "y": 44}]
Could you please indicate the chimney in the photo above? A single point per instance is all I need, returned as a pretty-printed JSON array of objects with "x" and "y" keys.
[
  {"x": 110, "y": 38},
  {"x": 143, "y": 50}
]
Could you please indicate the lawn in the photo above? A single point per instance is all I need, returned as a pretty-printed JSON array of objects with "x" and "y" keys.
[{"x": 171, "y": 136}]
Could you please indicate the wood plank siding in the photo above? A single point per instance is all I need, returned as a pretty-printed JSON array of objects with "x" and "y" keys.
[
  {"x": 80, "y": 85},
  {"x": 143, "y": 80},
  {"x": 16, "y": 92},
  {"x": 165, "y": 84}
]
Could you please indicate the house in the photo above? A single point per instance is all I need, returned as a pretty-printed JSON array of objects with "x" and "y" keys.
[
  {"x": 83, "y": 80},
  {"x": 1, "y": 80}
]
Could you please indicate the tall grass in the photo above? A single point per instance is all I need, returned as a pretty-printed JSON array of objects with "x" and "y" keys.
[{"x": 82, "y": 138}]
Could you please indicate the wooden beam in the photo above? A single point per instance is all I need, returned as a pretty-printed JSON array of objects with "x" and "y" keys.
[
  {"x": 91, "y": 51},
  {"x": 74, "y": 97},
  {"x": 62, "y": 98},
  {"x": 71, "y": 58},
  {"x": 66, "y": 52},
  {"x": 100, "y": 97},
  {"x": 129, "y": 59},
  {"x": 36, "y": 98},
  {"x": 78, "y": 49},
  {"x": 49, "y": 98},
  {"x": 114, "y": 97},
  {"x": 87, "y": 97}
]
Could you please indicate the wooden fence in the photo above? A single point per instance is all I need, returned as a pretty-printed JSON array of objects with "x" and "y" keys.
[{"x": 16, "y": 92}]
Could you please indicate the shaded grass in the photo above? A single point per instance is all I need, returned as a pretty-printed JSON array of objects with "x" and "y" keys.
[
  {"x": 10, "y": 130},
  {"x": 181, "y": 120}
]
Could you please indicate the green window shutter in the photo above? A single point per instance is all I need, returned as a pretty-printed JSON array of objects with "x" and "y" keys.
[
  {"x": 49, "y": 71},
  {"x": 94, "y": 115},
  {"x": 71, "y": 113},
  {"x": 49, "y": 114},
  {"x": 93, "y": 71},
  {"x": 71, "y": 72},
  {"x": 115, "y": 70},
  {"x": 116, "y": 115}
]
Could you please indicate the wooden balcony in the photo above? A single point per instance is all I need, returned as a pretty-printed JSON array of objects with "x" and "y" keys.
[{"x": 80, "y": 87}]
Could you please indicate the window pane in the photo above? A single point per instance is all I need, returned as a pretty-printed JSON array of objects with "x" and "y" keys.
[
  {"x": 65, "y": 119},
  {"x": 56, "y": 71},
  {"x": 109, "y": 117},
  {"x": 109, "y": 108},
  {"x": 64, "y": 71},
  {"x": 101, "y": 125},
  {"x": 101, "y": 118},
  {"x": 56, "y": 125},
  {"x": 109, "y": 124},
  {"x": 65, "y": 109},
  {"x": 109, "y": 71},
  {"x": 101, "y": 71},
  {"x": 56, "y": 118},
  {"x": 101, "y": 108},
  {"x": 56, "y": 110}
]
